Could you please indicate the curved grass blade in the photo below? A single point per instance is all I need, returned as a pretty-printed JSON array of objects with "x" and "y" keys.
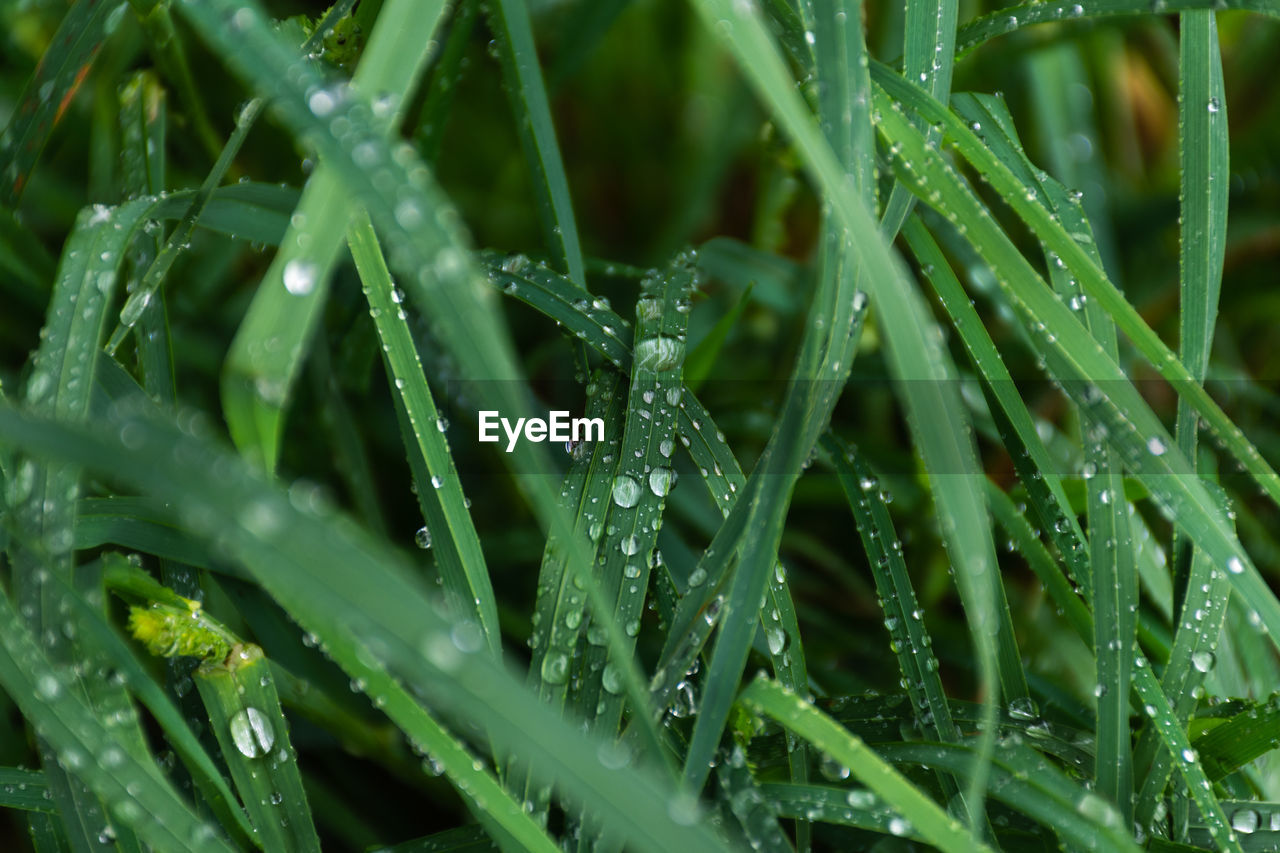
[
  {"x": 755, "y": 813},
  {"x": 561, "y": 607},
  {"x": 513, "y": 29},
  {"x": 143, "y": 295},
  {"x": 1075, "y": 257},
  {"x": 373, "y": 618},
  {"x": 923, "y": 814},
  {"x": 269, "y": 346},
  {"x": 914, "y": 353},
  {"x": 1240, "y": 739},
  {"x": 858, "y": 808},
  {"x": 453, "y": 534},
  {"x": 244, "y": 713},
  {"x": 63, "y": 68},
  {"x": 118, "y": 773}
]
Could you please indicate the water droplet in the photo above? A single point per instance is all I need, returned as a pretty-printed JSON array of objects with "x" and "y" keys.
[
  {"x": 661, "y": 480},
  {"x": 422, "y": 538},
  {"x": 1213, "y": 105},
  {"x": 611, "y": 679},
  {"x": 1155, "y": 446},
  {"x": 659, "y": 353},
  {"x": 626, "y": 491},
  {"x": 1245, "y": 820},
  {"x": 899, "y": 826},
  {"x": 555, "y": 667},
  {"x": 1203, "y": 661},
  {"x": 629, "y": 546},
  {"x": 252, "y": 733},
  {"x": 1235, "y": 566}
]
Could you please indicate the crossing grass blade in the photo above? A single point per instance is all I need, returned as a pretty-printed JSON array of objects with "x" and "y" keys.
[
  {"x": 375, "y": 621},
  {"x": 448, "y": 523},
  {"x": 1023, "y": 779},
  {"x": 1092, "y": 379},
  {"x": 922, "y": 813},
  {"x": 272, "y": 339},
  {"x": 513, "y": 30}
]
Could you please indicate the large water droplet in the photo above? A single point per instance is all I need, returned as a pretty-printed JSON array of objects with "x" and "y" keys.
[
  {"x": 299, "y": 277},
  {"x": 252, "y": 733},
  {"x": 423, "y": 537},
  {"x": 661, "y": 480},
  {"x": 555, "y": 667},
  {"x": 626, "y": 491},
  {"x": 630, "y": 545},
  {"x": 659, "y": 353},
  {"x": 611, "y": 679}
]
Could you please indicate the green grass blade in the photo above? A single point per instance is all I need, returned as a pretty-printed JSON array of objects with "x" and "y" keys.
[
  {"x": 755, "y": 814},
  {"x": 453, "y": 535},
  {"x": 25, "y": 789},
  {"x": 928, "y": 56},
  {"x": 272, "y": 339},
  {"x": 244, "y": 713},
  {"x": 1195, "y": 643},
  {"x": 642, "y": 478},
  {"x": 362, "y": 603},
  {"x": 922, "y": 813},
  {"x": 903, "y": 617},
  {"x": 1185, "y": 758},
  {"x": 513, "y": 29},
  {"x": 64, "y": 67},
  {"x": 1204, "y": 157},
  {"x": 1058, "y": 321}
]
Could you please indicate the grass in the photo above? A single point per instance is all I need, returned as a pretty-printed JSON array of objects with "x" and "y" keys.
[{"x": 935, "y": 498}]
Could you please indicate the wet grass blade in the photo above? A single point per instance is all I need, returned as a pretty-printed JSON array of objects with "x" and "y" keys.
[
  {"x": 1024, "y": 780},
  {"x": 642, "y": 479},
  {"x": 1036, "y": 470},
  {"x": 25, "y": 790},
  {"x": 903, "y": 617},
  {"x": 1175, "y": 740},
  {"x": 923, "y": 814},
  {"x": 271, "y": 342},
  {"x": 513, "y": 29},
  {"x": 244, "y": 713},
  {"x": 450, "y": 531}
]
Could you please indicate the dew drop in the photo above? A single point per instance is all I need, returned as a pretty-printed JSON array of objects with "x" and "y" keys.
[
  {"x": 252, "y": 733},
  {"x": 626, "y": 491}
]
